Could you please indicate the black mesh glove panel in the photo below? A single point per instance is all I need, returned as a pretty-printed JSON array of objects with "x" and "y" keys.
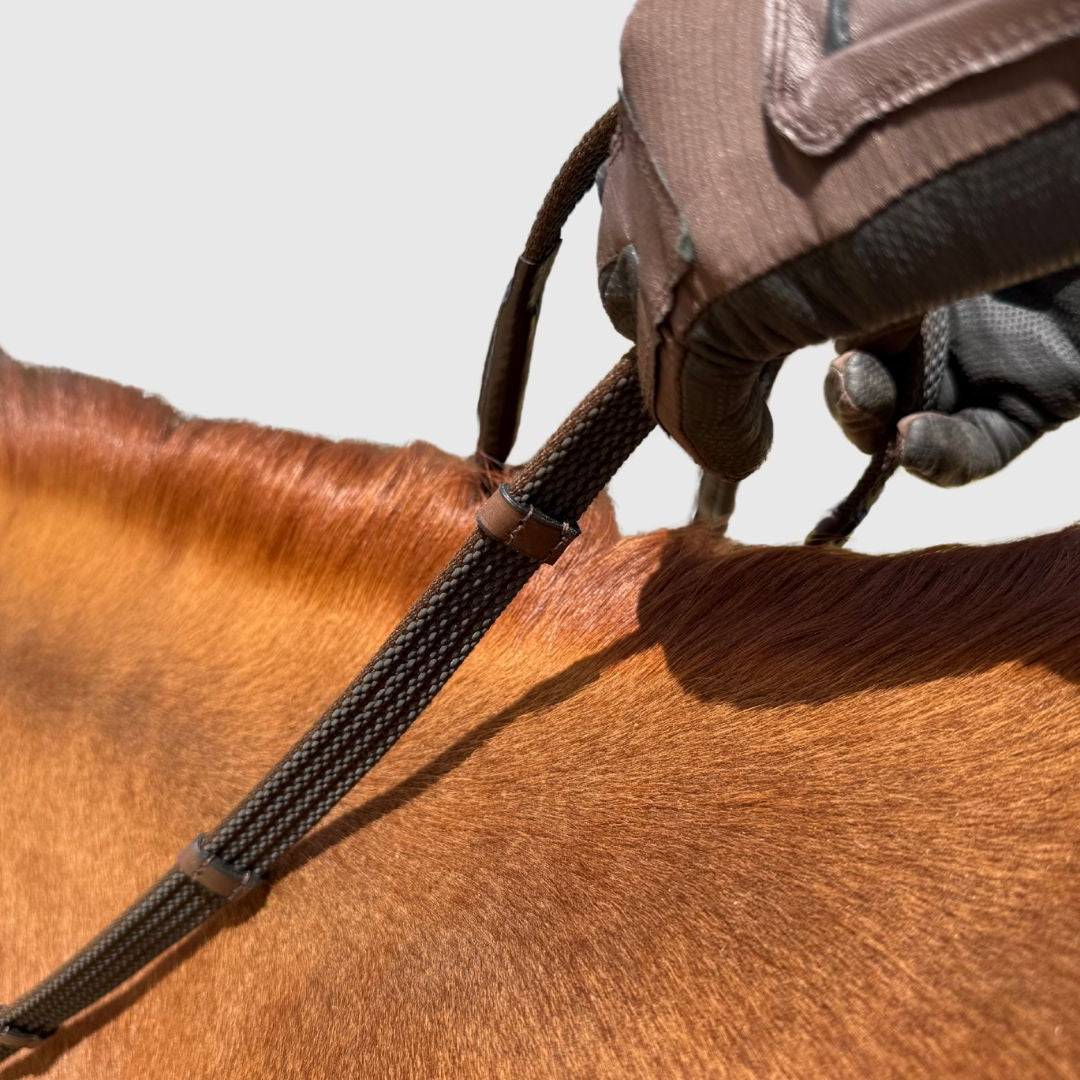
[{"x": 1012, "y": 372}]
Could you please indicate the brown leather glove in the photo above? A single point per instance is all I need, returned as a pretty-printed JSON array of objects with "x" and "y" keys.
[
  {"x": 1011, "y": 371},
  {"x": 790, "y": 171}
]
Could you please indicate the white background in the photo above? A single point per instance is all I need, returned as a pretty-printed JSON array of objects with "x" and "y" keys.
[{"x": 305, "y": 214}]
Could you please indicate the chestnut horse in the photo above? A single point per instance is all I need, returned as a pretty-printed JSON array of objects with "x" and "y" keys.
[{"x": 691, "y": 809}]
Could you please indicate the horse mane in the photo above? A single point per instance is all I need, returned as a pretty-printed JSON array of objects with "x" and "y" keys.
[{"x": 292, "y": 502}]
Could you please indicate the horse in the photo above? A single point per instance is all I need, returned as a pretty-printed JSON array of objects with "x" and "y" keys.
[{"x": 691, "y": 809}]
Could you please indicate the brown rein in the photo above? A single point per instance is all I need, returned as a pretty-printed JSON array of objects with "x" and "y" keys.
[{"x": 526, "y": 522}]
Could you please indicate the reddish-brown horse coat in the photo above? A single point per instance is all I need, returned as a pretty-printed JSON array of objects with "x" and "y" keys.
[{"x": 691, "y": 809}]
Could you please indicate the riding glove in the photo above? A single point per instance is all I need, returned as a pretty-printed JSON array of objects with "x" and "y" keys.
[
  {"x": 787, "y": 172},
  {"x": 1011, "y": 372}
]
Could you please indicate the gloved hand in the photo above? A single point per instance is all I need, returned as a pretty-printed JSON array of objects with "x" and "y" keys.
[
  {"x": 1011, "y": 372},
  {"x": 783, "y": 174}
]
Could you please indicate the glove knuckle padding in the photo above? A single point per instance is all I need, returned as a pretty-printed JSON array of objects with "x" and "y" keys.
[{"x": 755, "y": 238}]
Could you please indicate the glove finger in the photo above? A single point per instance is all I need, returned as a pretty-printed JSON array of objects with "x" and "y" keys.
[
  {"x": 724, "y": 421},
  {"x": 954, "y": 450},
  {"x": 860, "y": 393}
]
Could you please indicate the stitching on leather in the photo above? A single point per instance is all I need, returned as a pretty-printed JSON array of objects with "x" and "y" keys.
[
  {"x": 512, "y": 536},
  {"x": 1035, "y": 270},
  {"x": 911, "y": 82},
  {"x": 521, "y": 525},
  {"x": 561, "y": 544},
  {"x": 199, "y": 873}
]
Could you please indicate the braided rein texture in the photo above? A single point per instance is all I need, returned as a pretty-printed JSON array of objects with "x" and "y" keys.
[
  {"x": 376, "y": 709},
  {"x": 836, "y": 527}
]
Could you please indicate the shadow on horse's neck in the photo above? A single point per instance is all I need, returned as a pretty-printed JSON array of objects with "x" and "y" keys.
[
  {"x": 553, "y": 691},
  {"x": 720, "y": 621}
]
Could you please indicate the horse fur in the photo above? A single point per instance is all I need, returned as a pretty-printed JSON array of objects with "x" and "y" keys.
[{"x": 691, "y": 809}]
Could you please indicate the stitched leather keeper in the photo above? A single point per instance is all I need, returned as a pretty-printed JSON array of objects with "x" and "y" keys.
[
  {"x": 524, "y": 528},
  {"x": 506, "y": 369},
  {"x": 17, "y": 1038},
  {"x": 215, "y": 874}
]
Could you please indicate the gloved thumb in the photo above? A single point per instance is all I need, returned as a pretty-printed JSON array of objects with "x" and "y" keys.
[{"x": 950, "y": 450}]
